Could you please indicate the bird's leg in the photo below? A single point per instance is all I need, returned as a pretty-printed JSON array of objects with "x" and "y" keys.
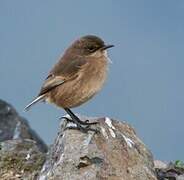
[
  {"x": 79, "y": 127},
  {"x": 79, "y": 123},
  {"x": 77, "y": 120}
]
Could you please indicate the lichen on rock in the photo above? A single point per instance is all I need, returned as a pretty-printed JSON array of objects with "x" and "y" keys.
[{"x": 20, "y": 158}]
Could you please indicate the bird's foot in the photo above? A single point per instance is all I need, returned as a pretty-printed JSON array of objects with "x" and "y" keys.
[
  {"x": 82, "y": 129},
  {"x": 79, "y": 125},
  {"x": 67, "y": 119},
  {"x": 89, "y": 123},
  {"x": 86, "y": 122}
]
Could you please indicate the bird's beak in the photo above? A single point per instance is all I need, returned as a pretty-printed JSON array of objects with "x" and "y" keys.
[{"x": 107, "y": 47}]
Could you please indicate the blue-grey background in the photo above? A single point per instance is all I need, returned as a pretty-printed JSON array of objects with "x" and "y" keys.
[{"x": 145, "y": 85}]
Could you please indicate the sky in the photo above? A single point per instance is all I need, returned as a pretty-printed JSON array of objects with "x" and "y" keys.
[{"x": 145, "y": 83}]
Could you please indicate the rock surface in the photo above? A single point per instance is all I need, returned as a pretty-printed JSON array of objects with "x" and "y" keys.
[
  {"x": 13, "y": 126},
  {"x": 170, "y": 171},
  {"x": 116, "y": 153},
  {"x": 20, "y": 159},
  {"x": 22, "y": 151}
]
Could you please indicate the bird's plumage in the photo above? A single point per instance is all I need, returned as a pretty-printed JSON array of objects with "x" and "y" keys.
[{"x": 77, "y": 76}]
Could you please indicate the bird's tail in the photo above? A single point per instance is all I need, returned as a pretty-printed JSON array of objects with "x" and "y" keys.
[{"x": 37, "y": 99}]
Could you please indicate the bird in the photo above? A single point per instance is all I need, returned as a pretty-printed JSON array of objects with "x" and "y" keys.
[{"x": 78, "y": 75}]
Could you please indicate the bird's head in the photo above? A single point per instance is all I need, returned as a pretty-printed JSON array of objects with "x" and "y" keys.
[{"x": 89, "y": 46}]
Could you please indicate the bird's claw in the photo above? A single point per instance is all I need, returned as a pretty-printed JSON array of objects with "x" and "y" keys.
[
  {"x": 86, "y": 122},
  {"x": 82, "y": 129}
]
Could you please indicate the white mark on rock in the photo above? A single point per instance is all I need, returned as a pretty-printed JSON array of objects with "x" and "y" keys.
[
  {"x": 42, "y": 177},
  {"x": 66, "y": 116},
  {"x": 60, "y": 159},
  {"x": 43, "y": 168},
  {"x": 28, "y": 157},
  {"x": 45, "y": 171},
  {"x": 17, "y": 131},
  {"x": 109, "y": 122},
  {"x": 70, "y": 124},
  {"x": 104, "y": 132},
  {"x": 129, "y": 142},
  {"x": 8, "y": 108},
  {"x": 112, "y": 133},
  {"x": 88, "y": 139},
  {"x": 111, "y": 127}
]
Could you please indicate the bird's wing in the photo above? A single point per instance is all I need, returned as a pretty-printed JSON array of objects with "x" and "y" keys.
[
  {"x": 63, "y": 71},
  {"x": 50, "y": 83}
]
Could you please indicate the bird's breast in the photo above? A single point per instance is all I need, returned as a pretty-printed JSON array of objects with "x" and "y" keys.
[
  {"x": 93, "y": 77},
  {"x": 89, "y": 81}
]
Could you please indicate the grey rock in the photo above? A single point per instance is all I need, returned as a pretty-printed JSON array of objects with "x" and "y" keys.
[
  {"x": 20, "y": 159},
  {"x": 160, "y": 164},
  {"x": 180, "y": 177},
  {"x": 116, "y": 153},
  {"x": 13, "y": 126},
  {"x": 171, "y": 171}
]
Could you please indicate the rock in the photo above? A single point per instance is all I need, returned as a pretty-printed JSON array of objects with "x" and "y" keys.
[
  {"x": 171, "y": 171},
  {"x": 20, "y": 159},
  {"x": 13, "y": 126},
  {"x": 116, "y": 153},
  {"x": 160, "y": 164}
]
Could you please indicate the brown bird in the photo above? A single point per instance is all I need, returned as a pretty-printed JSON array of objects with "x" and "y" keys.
[{"x": 78, "y": 75}]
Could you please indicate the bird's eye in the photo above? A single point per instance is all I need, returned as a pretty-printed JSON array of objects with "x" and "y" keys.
[{"x": 91, "y": 48}]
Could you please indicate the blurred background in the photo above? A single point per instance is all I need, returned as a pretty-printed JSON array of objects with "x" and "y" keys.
[{"x": 145, "y": 85}]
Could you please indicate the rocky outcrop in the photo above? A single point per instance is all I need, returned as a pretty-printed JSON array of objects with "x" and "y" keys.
[
  {"x": 13, "y": 126},
  {"x": 20, "y": 159},
  {"x": 170, "y": 171},
  {"x": 116, "y": 153},
  {"x": 22, "y": 151}
]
